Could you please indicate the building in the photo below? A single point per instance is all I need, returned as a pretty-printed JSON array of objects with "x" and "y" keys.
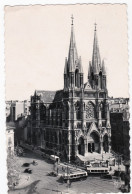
[
  {"x": 18, "y": 113},
  {"x": 16, "y": 109},
  {"x": 26, "y": 104},
  {"x": 10, "y": 138},
  {"x": 120, "y": 127},
  {"x": 8, "y": 110},
  {"x": 119, "y": 104},
  {"x": 75, "y": 120}
]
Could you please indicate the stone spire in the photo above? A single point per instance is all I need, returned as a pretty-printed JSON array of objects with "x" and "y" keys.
[
  {"x": 73, "y": 56},
  {"x": 96, "y": 60}
]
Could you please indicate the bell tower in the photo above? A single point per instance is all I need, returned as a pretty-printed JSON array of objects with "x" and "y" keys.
[
  {"x": 73, "y": 71},
  {"x": 97, "y": 72}
]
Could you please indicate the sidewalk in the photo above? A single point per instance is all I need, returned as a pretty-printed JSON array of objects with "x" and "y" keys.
[{"x": 24, "y": 180}]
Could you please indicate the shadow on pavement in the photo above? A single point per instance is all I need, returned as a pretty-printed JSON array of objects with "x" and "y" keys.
[{"x": 30, "y": 188}]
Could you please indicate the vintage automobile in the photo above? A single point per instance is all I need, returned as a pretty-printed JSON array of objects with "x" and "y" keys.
[
  {"x": 35, "y": 163},
  {"x": 28, "y": 170},
  {"x": 26, "y": 165}
]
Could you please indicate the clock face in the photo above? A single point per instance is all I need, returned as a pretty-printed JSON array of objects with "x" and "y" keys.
[{"x": 89, "y": 110}]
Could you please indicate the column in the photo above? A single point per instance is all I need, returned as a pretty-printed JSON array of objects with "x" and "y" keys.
[
  {"x": 86, "y": 146},
  {"x": 83, "y": 115},
  {"x": 99, "y": 116},
  {"x": 91, "y": 147},
  {"x": 101, "y": 144},
  {"x": 109, "y": 144},
  {"x": 69, "y": 145}
]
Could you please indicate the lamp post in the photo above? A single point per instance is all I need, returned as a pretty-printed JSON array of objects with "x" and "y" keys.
[{"x": 68, "y": 181}]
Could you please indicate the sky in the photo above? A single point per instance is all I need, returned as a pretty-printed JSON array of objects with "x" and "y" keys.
[{"x": 37, "y": 41}]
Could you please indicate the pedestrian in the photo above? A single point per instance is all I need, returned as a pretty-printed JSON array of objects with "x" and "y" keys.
[{"x": 110, "y": 168}]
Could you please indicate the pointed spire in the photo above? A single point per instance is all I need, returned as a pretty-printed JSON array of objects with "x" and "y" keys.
[
  {"x": 65, "y": 69},
  {"x": 73, "y": 56},
  {"x": 103, "y": 68},
  {"x": 96, "y": 61}
]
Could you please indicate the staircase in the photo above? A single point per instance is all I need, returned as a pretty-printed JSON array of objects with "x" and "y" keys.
[{"x": 95, "y": 156}]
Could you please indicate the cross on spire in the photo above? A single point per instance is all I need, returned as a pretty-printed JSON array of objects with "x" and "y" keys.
[
  {"x": 72, "y": 18},
  {"x": 95, "y": 26}
]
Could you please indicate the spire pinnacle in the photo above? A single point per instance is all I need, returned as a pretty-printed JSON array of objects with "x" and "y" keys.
[
  {"x": 95, "y": 26},
  {"x": 72, "y": 18},
  {"x": 73, "y": 56},
  {"x": 96, "y": 60}
]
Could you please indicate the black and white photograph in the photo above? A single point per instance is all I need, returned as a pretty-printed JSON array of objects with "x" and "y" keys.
[{"x": 67, "y": 99}]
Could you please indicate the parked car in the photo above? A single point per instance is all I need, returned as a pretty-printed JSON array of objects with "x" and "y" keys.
[
  {"x": 28, "y": 170},
  {"x": 26, "y": 164},
  {"x": 34, "y": 163}
]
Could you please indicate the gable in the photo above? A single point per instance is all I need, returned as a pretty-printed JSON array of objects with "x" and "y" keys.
[{"x": 92, "y": 128}]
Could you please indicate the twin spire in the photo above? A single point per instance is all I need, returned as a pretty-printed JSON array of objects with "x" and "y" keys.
[
  {"x": 73, "y": 61},
  {"x": 96, "y": 66}
]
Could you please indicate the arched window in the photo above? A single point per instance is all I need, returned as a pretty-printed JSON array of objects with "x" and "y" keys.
[
  {"x": 90, "y": 110},
  {"x": 100, "y": 78},
  {"x": 78, "y": 110},
  {"x": 76, "y": 78},
  {"x": 103, "y": 110}
]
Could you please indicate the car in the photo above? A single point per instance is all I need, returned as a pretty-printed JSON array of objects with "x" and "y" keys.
[
  {"x": 28, "y": 170},
  {"x": 26, "y": 164},
  {"x": 34, "y": 163}
]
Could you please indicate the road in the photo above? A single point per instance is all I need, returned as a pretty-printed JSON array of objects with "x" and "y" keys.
[{"x": 40, "y": 183}]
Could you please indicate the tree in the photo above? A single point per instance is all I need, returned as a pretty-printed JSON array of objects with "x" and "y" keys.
[{"x": 13, "y": 170}]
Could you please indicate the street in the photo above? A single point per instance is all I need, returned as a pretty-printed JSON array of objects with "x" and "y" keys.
[{"x": 40, "y": 183}]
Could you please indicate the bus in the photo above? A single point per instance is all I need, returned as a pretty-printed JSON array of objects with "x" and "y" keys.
[
  {"x": 54, "y": 158},
  {"x": 97, "y": 170},
  {"x": 74, "y": 176}
]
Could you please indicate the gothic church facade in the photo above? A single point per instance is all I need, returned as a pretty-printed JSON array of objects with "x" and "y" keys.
[{"x": 76, "y": 120}]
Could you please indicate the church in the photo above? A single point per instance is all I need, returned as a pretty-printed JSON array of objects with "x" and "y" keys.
[{"x": 75, "y": 120}]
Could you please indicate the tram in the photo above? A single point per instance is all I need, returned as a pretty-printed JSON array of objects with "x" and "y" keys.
[
  {"x": 74, "y": 176},
  {"x": 97, "y": 170}
]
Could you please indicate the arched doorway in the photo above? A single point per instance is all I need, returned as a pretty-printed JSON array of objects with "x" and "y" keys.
[
  {"x": 105, "y": 143},
  {"x": 93, "y": 143},
  {"x": 81, "y": 147}
]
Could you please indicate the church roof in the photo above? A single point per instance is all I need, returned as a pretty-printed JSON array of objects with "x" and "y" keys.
[
  {"x": 46, "y": 96},
  {"x": 58, "y": 95},
  {"x": 49, "y": 96}
]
